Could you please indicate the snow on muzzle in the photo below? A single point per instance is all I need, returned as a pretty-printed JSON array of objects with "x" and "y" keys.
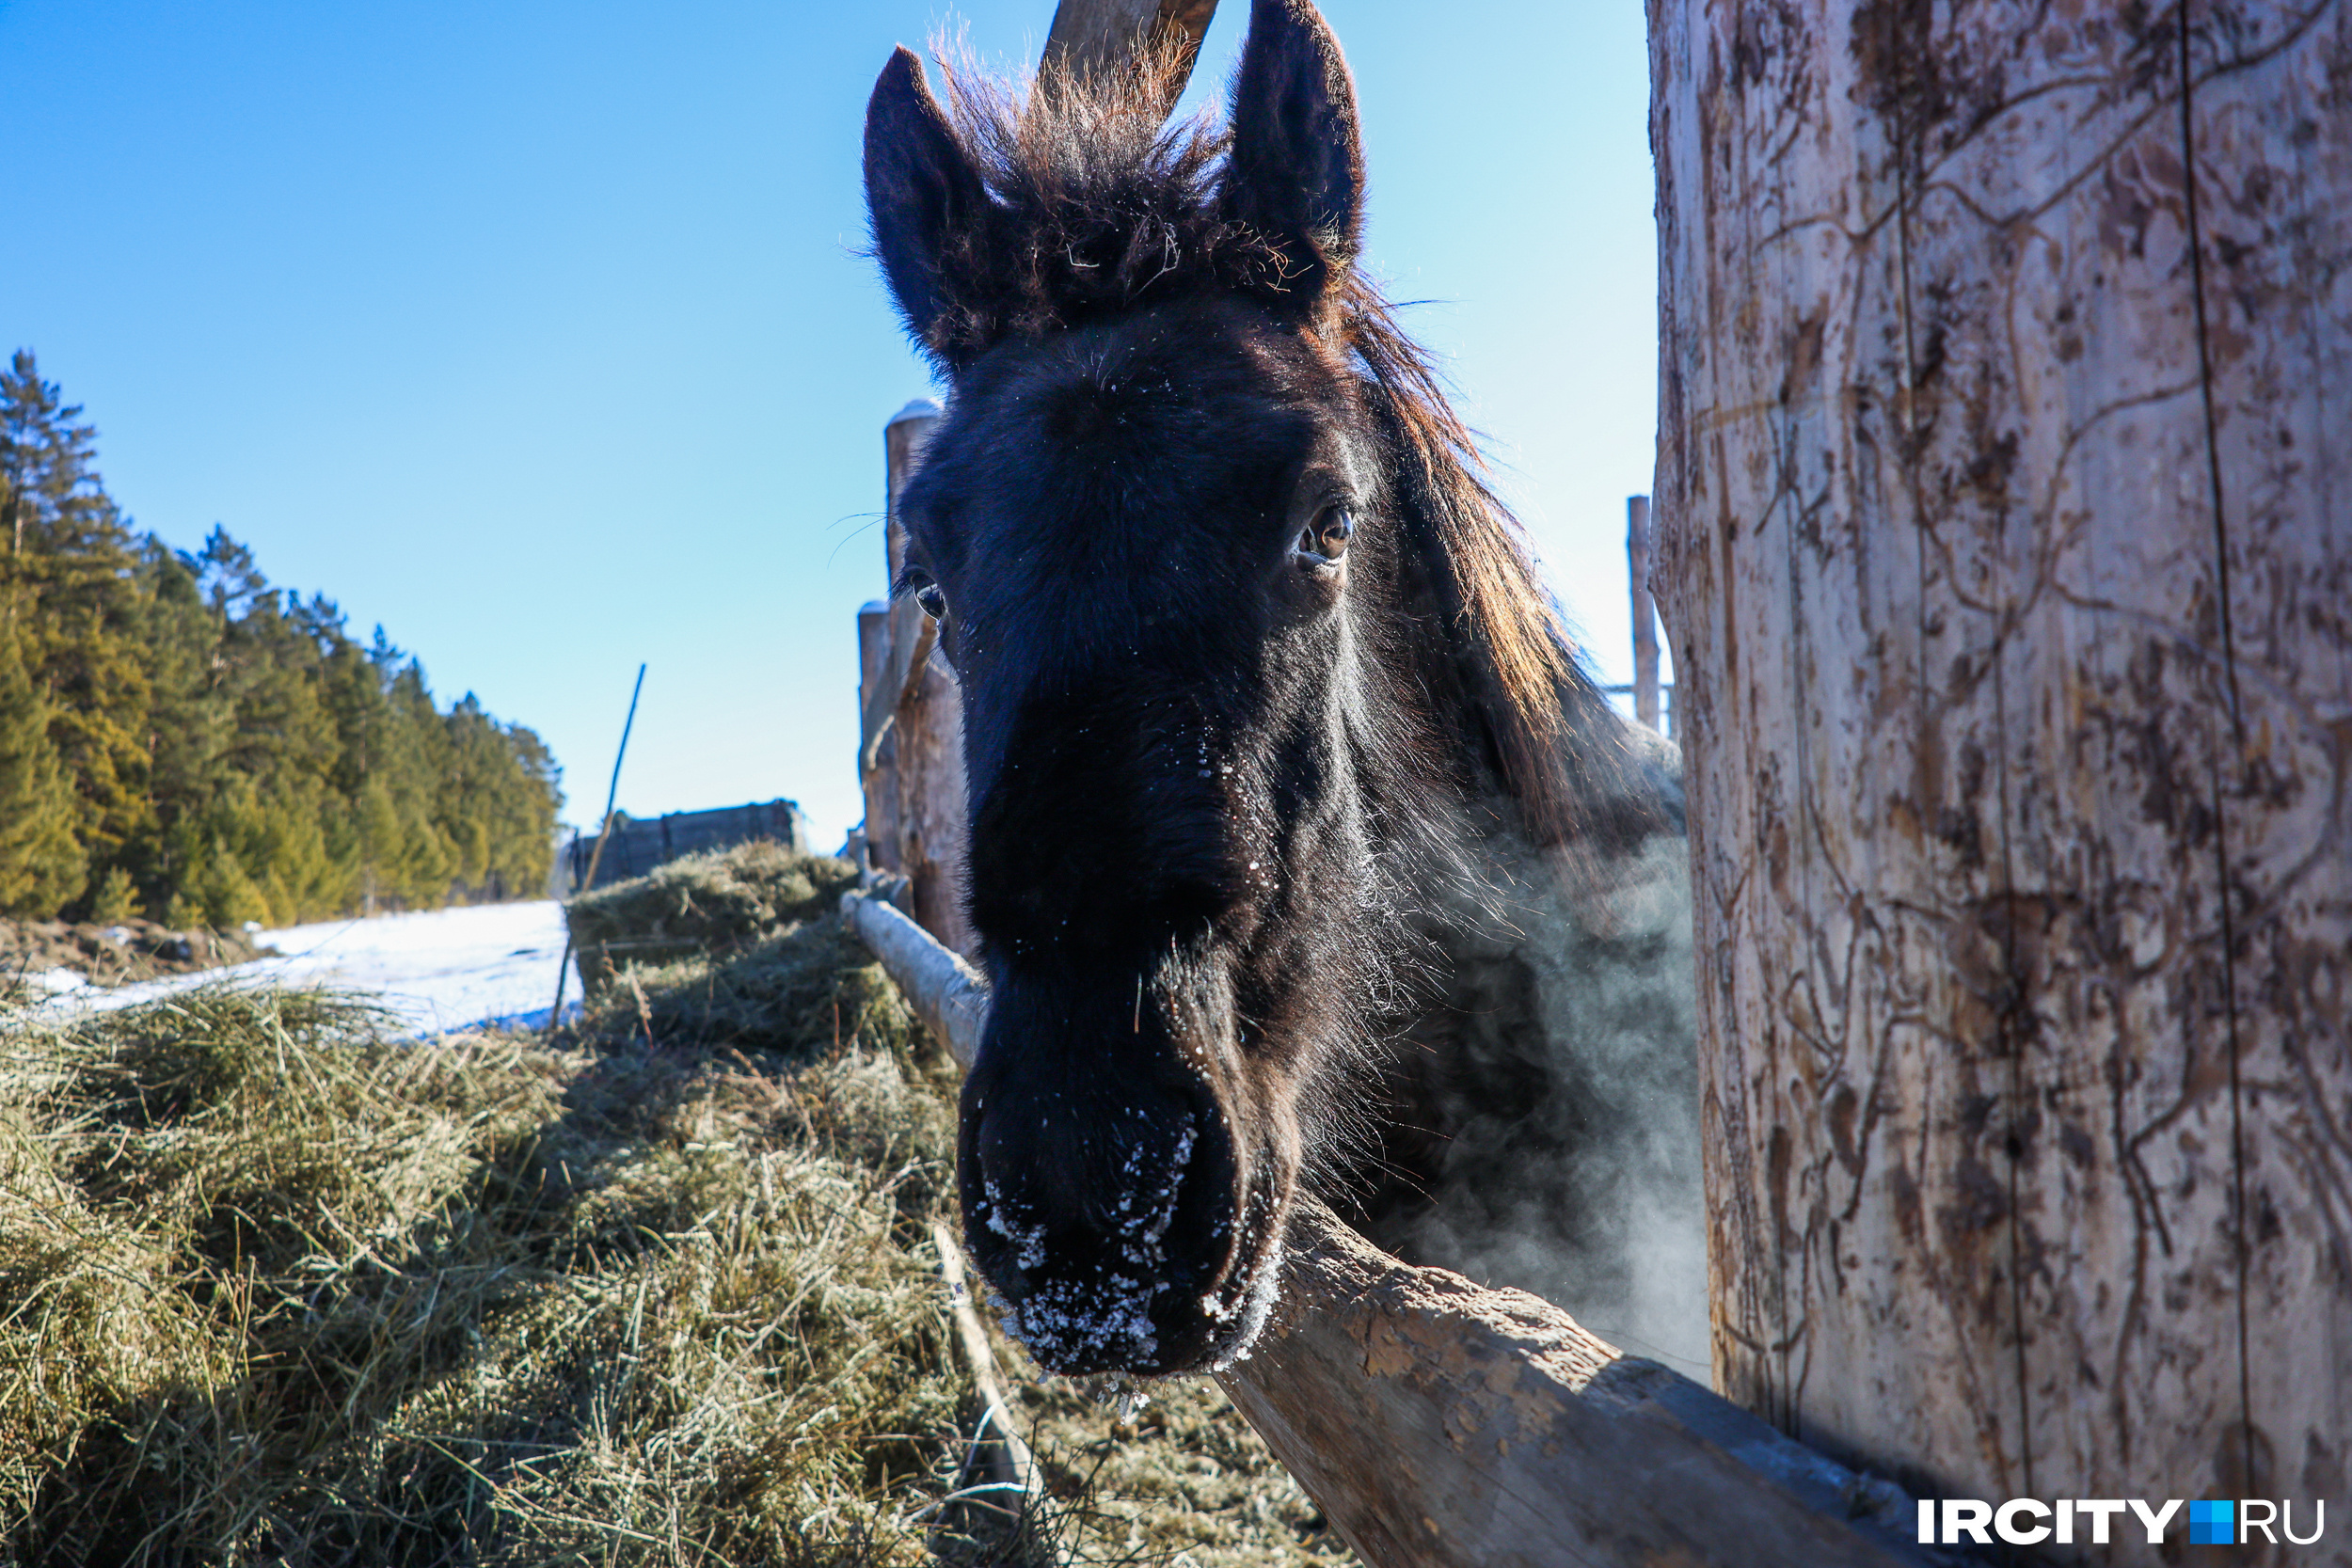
[{"x": 1108, "y": 1209}]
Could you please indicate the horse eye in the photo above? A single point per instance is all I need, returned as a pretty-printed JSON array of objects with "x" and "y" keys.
[
  {"x": 1326, "y": 538},
  {"x": 934, "y": 599}
]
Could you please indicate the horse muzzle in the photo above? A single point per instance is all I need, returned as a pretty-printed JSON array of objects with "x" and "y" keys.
[{"x": 1111, "y": 1206}]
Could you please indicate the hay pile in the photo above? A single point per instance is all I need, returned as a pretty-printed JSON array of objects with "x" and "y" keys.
[
  {"x": 278, "y": 1290},
  {"x": 709, "y": 905},
  {"x": 274, "y": 1289}
]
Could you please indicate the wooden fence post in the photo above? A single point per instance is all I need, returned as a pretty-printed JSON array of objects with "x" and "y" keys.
[
  {"x": 2005, "y": 482},
  {"x": 1089, "y": 36},
  {"x": 910, "y": 734},
  {"x": 878, "y": 756}
]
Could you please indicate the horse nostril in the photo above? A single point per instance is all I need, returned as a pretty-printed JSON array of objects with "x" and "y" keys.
[
  {"x": 1027, "y": 1241},
  {"x": 1004, "y": 1209},
  {"x": 1050, "y": 1201}
]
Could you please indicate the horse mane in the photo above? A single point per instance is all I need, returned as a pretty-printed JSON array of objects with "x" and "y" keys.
[
  {"x": 1097, "y": 205},
  {"x": 1560, "y": 750}
]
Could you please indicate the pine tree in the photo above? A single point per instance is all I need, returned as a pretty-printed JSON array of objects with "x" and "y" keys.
[
  {"x": 498, "y": 803},
  {"x": 73, "y": 598},
  {"x": 113, "y": 899},
  {"x": 190, "y": 727},
  {"x": 41, "y": 865}
]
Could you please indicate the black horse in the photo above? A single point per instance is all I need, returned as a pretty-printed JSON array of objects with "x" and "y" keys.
[{"x": 1301, "y": 848}]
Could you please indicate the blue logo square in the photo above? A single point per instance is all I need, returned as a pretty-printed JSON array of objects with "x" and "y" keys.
[{"x": 2212, "y": 1523}]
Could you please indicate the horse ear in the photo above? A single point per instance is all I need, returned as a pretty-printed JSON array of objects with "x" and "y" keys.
[
  {"x": 922, "y": 194},
  {"x": 1296, "y": 173}
]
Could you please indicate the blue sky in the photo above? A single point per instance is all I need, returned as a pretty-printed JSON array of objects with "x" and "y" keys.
[{"x": 536, "y": 333}]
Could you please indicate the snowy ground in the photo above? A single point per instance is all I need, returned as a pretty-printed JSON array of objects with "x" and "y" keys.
[{"x": 438, "y": 969}]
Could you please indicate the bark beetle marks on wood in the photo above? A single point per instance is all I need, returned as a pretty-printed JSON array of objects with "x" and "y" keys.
[{"x": 2053, "y": 827}]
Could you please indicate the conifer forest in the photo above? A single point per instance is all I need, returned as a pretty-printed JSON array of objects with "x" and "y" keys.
[{"x": 181, "y": 740}]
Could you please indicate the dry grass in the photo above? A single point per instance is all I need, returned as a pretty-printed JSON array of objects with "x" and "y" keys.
[
  {"x": 275, "y": 1289},
  {"x": 110, "y": 954},
  {"x": 1183, "y": 1482}
]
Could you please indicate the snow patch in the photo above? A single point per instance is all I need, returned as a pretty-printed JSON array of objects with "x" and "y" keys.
[
  {"x": 56, "y": 982},
  {"x": 438, "y": 971}
]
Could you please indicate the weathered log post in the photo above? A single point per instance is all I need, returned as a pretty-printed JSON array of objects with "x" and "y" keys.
[
  {"x": 1089, "y": 36},
  {"x": 2005, "y": 488},
  {"x": 911, "y": 730},
  {"x": 877, "y": 757}
]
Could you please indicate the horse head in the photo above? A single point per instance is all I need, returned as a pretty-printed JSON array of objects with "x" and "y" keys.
[{"x": 1191, "y": 500}]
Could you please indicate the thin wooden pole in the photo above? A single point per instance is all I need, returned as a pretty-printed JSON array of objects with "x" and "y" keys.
[
  {"x": 1645, "y": 611},
  {"x": 612, "y": 793}
]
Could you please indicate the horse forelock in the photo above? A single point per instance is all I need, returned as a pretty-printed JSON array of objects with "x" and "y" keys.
[{"x": 1097, "y": 204}]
